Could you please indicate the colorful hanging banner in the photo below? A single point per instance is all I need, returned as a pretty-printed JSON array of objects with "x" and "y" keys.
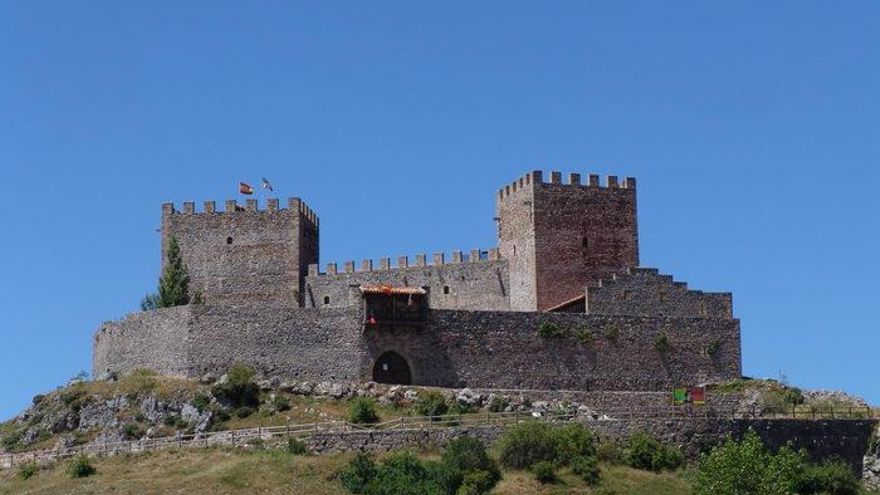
[{"x": 688, "y": 395}]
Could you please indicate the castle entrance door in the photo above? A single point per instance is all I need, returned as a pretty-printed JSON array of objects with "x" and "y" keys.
[{"x": 392, "y": 368}]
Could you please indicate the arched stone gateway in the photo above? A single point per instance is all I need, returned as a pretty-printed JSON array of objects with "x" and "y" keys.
[{"x": 391, "y": 367}]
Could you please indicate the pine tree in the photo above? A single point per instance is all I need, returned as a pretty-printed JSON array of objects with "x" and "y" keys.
[{"x": 174, "y": 283}]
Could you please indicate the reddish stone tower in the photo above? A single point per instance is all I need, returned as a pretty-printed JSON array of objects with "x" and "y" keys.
[{"x": 560, "y": 237}]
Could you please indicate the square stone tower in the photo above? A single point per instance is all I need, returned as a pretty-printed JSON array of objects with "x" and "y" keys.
[
  {"x": 558, "y": 238},
  {"x": 244, "y": 254}
]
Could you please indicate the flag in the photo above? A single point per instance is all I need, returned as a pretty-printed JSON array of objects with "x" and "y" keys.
[
  {"x": 266, "y": 185},
  {"x": 245, "y": 188}
]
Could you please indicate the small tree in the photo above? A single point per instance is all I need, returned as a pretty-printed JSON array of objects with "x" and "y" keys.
[{"x": 174, "y": 283}]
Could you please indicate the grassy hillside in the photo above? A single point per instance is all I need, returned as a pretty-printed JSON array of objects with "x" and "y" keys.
[{"x": 233, "y": 472}]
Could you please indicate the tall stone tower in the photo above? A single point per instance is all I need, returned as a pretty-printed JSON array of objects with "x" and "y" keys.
[
  {"x": 560, "y": 237},
  {"x": 245, "y": 254}
]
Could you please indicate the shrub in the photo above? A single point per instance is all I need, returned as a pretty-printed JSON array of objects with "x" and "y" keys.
[
  {"x": 713, "y": 348},
  {"x": 360, "y": 471},
  {"x": 80, "y": 467},
  {"x": 645, "y": 452},
  {"x": 587, "y": 467},
  {"x": 133, "y": 431},
  {"x": 747, "y": 467},
  {"x": 431, "y": 403},
  {"x": 38, "y": 398},
  {"x": 239, "y": 389},
  {"x": 609, "y": 452},
  {"x": 11, "y": 439},
  {"x": 28, "y": 470},
  {"x": 362, "y": 410},
  {"x": 661, "y": 343},
  {"x": 583, "y": 336},
  {"x": 280, "y": 403},
  {"x": 201, "y": 402},
  {"x": 498, "y": 403},
  {"x": 244, "y": 411},
  {"x": 475, "y": 483},
  {"x": 613, "y": 334},
  {"x": 527, "y": 443},
  {"x": 464, "y": 457},
  {"x": 572, "y": 440},
  {"x": 175, "y": 421},
  {"x": 831, "y": 477},
  {"x": 545, "y": 472},
  {"x": 549, "y": 329},
  {"x": 297, "y": 447},
  {"x": 793, "y": 396},
  {"x": 401, "y": 473}
]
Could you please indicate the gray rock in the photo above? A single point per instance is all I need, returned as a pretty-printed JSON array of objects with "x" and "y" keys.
[
  {"x": 467, "y": 397},
  {"x": 208, "y": 378}
]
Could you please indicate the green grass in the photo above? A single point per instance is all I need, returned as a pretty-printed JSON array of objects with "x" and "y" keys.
[{"x": 232, "y": 472}]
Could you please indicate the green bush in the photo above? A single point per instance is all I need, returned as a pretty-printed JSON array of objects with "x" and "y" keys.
[
  {"x": 609, "y": 452},
  {"x": 572, "y": 440},
  {"x": 402, "y": 473},
  {"x": 362, "y": 410},
  {"x": 527, "y": 443},
  {"x": 297, "y": 447},
  {"x": 748, "y": 467},
  {"x": 549, "y": 329},
  {"x": 662, "y": 344},
  {"x": 465, "y": 468},
  {"x": 80, "y": 467},
  {"x": 28, "y": 470},
  {"x": 583, "y": 336},
  {"x": 360, "y": 471},
  {"x": 545, "y": 472},
  {"x": 475, "y": 483},
  {"x": 645, "y": 452},
  {"x": 280, "y": 403},
  {"x": 11, "y": 439},
  {"x": 431, "y": 403},
  {"x": 498, "y": 404},
  {"x": 587, "y": 467},
  {"x": 464, "y": 457},
  {"x": 175, "y": 421},
  {"x": 133, "y": 431},
  {"x": 201, "y": 402},
  {"x": 831, "y": 478},
  {"x": 244, "y": 411},
  {"x": 239, "y": 389},
  {"x": 38, "y": 398}
]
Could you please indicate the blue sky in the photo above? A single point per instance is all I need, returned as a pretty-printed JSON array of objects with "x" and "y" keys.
[{"x": 753, "y": 129}]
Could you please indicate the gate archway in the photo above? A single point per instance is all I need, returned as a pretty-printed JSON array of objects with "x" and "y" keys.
[{"x": 391, "y": 367}]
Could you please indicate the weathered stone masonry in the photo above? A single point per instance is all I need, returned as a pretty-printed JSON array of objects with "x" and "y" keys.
[{"x": 567, "y": 247}]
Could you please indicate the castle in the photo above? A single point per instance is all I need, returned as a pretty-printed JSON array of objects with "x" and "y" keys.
[{"x": 560, "y": 303}]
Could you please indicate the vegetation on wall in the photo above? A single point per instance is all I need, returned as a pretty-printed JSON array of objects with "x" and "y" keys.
[{"x": 173, "y": 284}]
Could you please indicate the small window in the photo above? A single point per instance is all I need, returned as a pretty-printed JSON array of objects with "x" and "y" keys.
[
  {"x": 662, "y": 296},
  {"x": 627, "y": 294},
  {"x": 514, "y": 249},
  {"x": 446, "y": 289},
  {"x": 585, "y": 243},
  {"x": 326, "y": 300},
  {"x": 229, "y": 240}
]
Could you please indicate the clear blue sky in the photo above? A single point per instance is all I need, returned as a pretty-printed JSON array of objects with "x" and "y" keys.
[{"x": 753, "y": 129}]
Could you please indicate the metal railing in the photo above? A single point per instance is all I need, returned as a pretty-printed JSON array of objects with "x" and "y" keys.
[{"x": 261, "y": 434}]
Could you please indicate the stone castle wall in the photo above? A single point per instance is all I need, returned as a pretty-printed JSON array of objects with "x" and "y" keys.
[
  {"x": 644, "y": 292},
  {"x": 244, "y": 254},
  {"x": 477, "y": 281},
  {"x": 454, "y": 348}
]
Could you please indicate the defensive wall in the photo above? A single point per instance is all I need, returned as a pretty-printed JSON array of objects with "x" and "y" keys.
[
  {"x": 472, "y": 281},
  {"x": 453, "y": 348}
]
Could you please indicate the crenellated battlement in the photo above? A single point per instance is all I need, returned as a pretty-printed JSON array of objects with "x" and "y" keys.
[
  {"x": 251, "y": 205},
  {"x": 536, "y": 178},
  {"x": 419, "y": 260}
]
